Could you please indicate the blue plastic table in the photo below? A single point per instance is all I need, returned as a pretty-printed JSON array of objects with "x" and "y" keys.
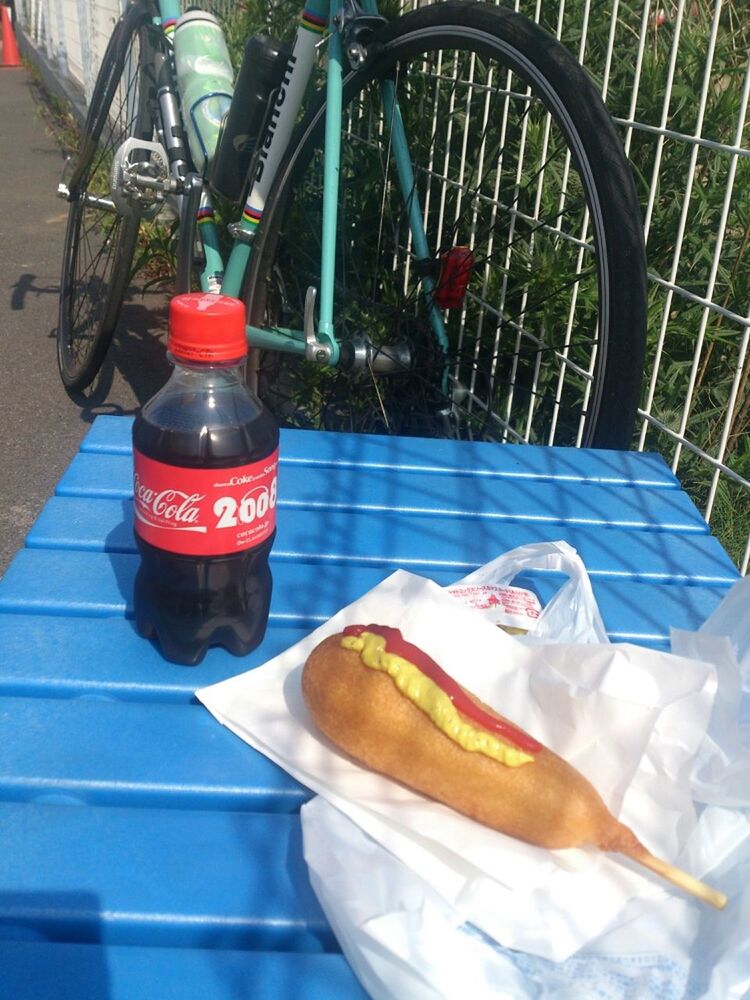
[{"x": 148, "y": 852}]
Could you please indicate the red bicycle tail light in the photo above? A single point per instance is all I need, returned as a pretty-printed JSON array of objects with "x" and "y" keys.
[{"x": 456, "y": 267}]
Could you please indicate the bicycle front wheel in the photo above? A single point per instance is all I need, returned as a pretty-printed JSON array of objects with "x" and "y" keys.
[
  {"x": 515, "y": 158},
  {"x": 100, "y": 240}
]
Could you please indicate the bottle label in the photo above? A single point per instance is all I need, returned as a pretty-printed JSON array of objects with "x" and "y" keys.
[{"x": 204, "y": 512}]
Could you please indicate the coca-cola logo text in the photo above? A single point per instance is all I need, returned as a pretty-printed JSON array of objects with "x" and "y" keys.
[{"x": 171, "y": 504}]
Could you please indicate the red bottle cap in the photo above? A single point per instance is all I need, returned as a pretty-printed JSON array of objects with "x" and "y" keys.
[{"x": 206, "y": 328}]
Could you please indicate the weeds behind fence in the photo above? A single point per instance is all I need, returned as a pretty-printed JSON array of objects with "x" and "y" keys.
[{"x": 675, "y": 76}]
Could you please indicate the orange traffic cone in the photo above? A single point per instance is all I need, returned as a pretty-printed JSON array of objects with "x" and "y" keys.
[{"x": 11, "y": 57}]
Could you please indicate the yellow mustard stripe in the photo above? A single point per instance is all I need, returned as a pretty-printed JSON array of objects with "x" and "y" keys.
[{"x": 432, "y": 700}]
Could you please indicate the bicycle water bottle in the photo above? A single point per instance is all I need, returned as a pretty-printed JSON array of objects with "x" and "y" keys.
[
  {"x": 205, "y": 453},
  {"x": 205, "y": 75}
]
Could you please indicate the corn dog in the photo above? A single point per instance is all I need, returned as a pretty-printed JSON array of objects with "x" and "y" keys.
[{"x": 388, "y": 705}]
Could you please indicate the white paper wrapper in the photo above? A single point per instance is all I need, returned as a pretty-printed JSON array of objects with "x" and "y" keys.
[{"x": 628, "y": 718}]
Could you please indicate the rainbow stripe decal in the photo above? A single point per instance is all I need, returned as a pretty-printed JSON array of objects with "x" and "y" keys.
[
  {"x": 313, "y": 22},
  {"x": 168, "y": 25},
  {"x": 251, "y": 217},
  {"x": 205, "y": 215}
]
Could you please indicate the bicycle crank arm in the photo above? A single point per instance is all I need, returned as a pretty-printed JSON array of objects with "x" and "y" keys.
[{"x": 186, "y": 240}]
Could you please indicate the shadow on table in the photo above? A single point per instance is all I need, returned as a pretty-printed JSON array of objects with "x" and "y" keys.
[
  {"x": 50, "y": 946},
  {"x": 119, "y": 545}
]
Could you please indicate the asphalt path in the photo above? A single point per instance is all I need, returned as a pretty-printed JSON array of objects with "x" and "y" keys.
[{"x": 42, "y": 426}]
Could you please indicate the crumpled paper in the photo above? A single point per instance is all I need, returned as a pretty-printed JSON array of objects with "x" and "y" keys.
[{"x": 631, "y": 719}]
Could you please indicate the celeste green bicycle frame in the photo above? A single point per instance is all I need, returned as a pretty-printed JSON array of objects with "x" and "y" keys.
[{"x": 319, "y": 22}]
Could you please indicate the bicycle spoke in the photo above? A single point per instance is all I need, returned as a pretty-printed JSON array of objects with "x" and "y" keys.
[
  {"x": 498, "y": 170},
  {"x": 100, "y": 242}
]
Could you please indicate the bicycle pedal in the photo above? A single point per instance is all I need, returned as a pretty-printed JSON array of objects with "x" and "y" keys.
[{"x": 139, "y": 178}]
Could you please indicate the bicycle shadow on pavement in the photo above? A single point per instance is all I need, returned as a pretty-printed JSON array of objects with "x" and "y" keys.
[
  {"x": 136, "y": 364},
  {"x": 26, "y": 285}
]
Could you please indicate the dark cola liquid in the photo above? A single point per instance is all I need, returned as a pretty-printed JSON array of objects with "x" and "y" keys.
[{"x": 188, "y": 603}]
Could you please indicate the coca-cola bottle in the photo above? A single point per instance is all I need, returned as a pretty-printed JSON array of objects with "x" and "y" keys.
[{"x": 205, "y": 454}]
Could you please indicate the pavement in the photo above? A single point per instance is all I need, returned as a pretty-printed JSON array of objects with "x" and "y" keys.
[{"x": 42, "y": 426}]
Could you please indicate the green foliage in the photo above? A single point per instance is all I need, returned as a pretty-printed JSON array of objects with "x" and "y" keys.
[
  {"x": 663, "y": 170},
  {"x": 707, "y": 416}
]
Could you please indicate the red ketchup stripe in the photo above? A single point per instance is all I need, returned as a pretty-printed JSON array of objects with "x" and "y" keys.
[{"x": 396, "y": 644}]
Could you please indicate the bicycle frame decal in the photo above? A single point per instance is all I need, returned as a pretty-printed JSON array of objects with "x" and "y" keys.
[
  {"x": 170, "y": 14},
  {"x": 213, "y": 271},
  {"x": 273, "y": 146}
]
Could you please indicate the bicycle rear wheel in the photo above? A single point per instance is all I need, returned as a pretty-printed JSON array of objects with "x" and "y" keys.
[
  {"x": 100, "y": 240},
  {"x": 515, "y": 157}
]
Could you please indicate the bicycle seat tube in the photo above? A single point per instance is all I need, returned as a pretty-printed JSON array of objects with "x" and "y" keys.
[{"x": 274, "y": 143}]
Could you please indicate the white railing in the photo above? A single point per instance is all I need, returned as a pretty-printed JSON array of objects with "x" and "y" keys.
[
  {"x": 676, "y": 76},
  {"x": 72, "y": 34}
]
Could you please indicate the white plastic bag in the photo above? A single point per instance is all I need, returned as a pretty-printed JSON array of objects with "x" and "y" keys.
[
  {"x": 721, "y": 774},
  {"x": 732, "y": 620},
  {"x": 404, "y": 940},
  {"x": 572, "y": 615}
]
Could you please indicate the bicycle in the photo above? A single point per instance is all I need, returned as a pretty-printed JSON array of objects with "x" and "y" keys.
[{"x": 456, "y": 191}]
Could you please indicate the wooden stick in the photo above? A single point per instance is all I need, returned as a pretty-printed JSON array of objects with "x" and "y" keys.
[{"x": 678, "y": 877}]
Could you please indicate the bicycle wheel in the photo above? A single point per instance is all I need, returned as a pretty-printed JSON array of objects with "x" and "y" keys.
[
  {"x": 100, "y": 240},
  {"x": 515, "y": 157}
]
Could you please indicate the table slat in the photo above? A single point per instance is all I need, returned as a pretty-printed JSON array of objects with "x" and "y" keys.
[
  {"x": 166, "y": 877},
  {"x": 441, "y": 494},
  {"x": 94, "y": 752},
  {"x": 112, "y": 436},
  {"x": 413, "y": 541},
  {"x": 49, "y": 971},
  {"x": 58, "y": 657},
  {"x": 48, "y": 581}
]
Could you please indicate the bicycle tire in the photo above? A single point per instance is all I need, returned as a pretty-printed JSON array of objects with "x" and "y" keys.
[
  {"x": 100, "y": 243},
  {"x": 519, "y": 63}
]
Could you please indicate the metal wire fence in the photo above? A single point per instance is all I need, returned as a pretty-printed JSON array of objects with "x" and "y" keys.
[{"x": 676, "y": 77}]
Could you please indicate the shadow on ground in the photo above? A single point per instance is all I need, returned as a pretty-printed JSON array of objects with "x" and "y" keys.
[{"x": 136, "y": 364}]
